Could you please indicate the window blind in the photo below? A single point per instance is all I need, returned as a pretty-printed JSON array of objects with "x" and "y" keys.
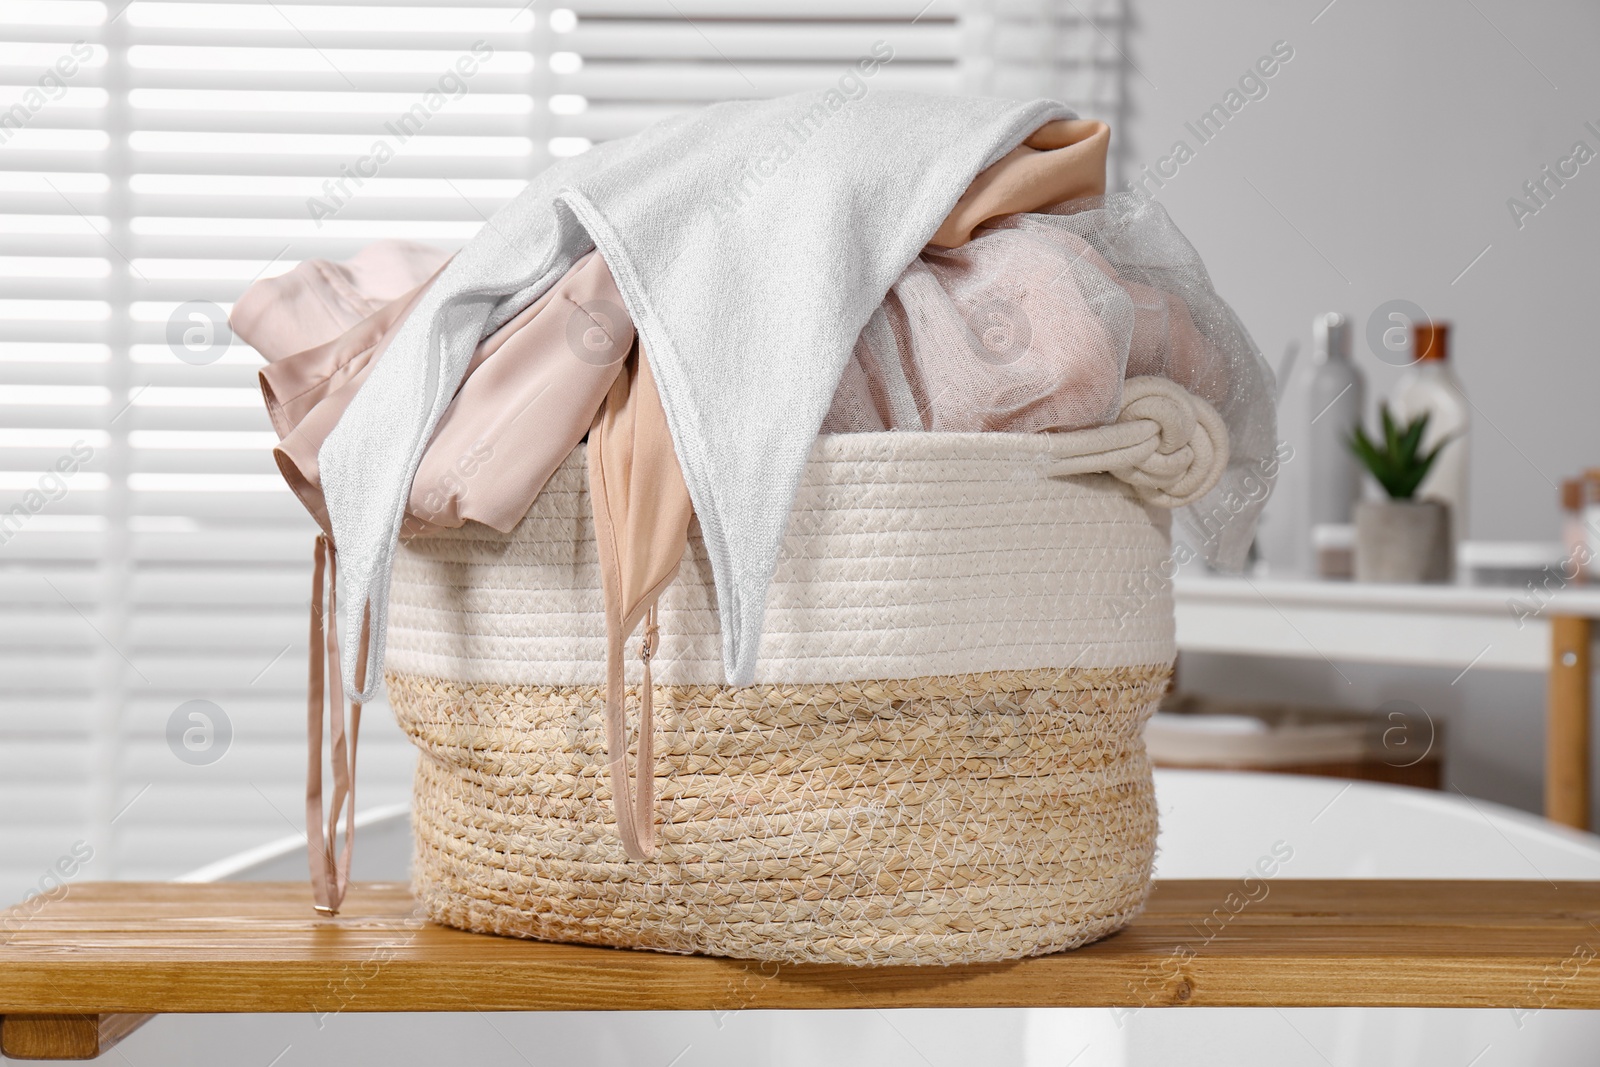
[{"x": 158, "y": 157}]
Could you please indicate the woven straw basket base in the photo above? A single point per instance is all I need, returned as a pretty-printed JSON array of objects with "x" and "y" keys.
[{"x": 941, "y": 820}]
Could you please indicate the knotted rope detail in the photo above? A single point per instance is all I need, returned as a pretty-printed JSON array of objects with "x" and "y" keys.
[{"x": 1167, "y": 443}]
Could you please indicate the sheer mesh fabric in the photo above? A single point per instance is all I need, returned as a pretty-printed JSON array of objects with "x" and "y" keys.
[{"x": 1034, "y": 325}]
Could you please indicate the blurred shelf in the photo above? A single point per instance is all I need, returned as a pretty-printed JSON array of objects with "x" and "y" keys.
[
  {"x": 1459, "y": 627},
  {"x": 1505, "y": 628}
]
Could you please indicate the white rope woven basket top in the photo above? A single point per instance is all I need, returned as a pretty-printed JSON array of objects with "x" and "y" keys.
[
  {"x": 940, "y": 761},
  {"x": 907, "y": 555}
]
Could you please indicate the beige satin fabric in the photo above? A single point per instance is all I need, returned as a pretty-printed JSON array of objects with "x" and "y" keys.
[
  {"x": 1062, "y": 160},
  {"x": 641, "y": 519}
]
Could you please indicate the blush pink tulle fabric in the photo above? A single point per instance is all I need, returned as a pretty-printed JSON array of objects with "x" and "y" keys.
[{"x": 1027, "y": 327}]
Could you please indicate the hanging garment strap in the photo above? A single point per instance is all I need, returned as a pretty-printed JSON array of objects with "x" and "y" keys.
[
  {"x": 633, "y": 788},
  {"x": 642, "y": 514},
  {"x": 330, "y": 870}
]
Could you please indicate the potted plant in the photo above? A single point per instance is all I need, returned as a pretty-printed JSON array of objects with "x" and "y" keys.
[{"x": 1401, "y": 538}]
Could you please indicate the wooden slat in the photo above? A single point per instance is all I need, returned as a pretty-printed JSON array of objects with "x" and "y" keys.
[
  {"x": 64, "y": 1037},
  {"x": 257, "y": 947}
]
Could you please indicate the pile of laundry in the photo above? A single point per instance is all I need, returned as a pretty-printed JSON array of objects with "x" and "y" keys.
[{"x": 1024, "y": 305}]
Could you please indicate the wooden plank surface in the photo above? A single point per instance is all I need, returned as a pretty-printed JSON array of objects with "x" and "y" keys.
[{"x": 257, "y": 947}]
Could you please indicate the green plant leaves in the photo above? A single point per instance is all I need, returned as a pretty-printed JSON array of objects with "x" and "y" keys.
[{"x": 1398, "y": 463}]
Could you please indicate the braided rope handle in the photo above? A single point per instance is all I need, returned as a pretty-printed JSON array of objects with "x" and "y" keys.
[{"x": 1167, "y": 443}]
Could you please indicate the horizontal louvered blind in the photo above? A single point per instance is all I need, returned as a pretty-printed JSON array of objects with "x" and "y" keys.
[
  {"x": 157, "y": 158},
  {"x": 622, "y": 64}
]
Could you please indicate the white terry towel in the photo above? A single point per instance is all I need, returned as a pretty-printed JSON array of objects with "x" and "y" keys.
[{"x": 750, "y": 241}]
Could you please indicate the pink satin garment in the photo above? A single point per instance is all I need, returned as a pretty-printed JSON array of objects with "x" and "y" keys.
[
  {"x": 531, "y": 392},
  {"x": 318, "y": 299}
]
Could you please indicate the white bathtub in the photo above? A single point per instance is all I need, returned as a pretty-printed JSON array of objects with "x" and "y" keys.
[{"x": 1213, "y": 826}]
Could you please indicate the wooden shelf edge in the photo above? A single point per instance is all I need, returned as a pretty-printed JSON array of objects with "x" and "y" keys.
[
  {"x": 1370, "y": 981},
  {"x": 121, "y": 948}
]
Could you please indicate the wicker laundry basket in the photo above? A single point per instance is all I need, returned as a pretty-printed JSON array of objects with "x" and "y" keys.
[{"x": 940, "y": 762}]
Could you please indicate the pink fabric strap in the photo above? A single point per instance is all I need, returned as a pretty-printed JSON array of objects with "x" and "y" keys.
[
  {"x": 330, "y": 871},
  {"x": 633, "y": 790}
]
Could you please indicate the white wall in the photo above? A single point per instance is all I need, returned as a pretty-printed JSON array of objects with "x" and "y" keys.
[{"x": 1391, "y": 143}]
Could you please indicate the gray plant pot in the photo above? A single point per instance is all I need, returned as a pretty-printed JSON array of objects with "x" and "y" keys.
[{"x": 1403, "y": 541}]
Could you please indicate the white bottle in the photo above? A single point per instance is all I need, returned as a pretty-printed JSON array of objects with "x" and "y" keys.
[
  {"x": 1336, "y": 398},
  {"x": 1430, "y": 387}
]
